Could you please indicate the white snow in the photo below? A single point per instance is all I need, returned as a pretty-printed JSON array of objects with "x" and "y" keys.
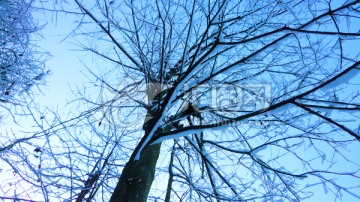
[
  {"x": 176, "y": 135},
  {"x": 259, "y": 149},
  {"x": 281, "y": 109},
  {"x": 342, "y": 79}
]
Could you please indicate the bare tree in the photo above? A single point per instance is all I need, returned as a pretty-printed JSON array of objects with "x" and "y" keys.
[
  {"x": 21, "y": 64},
  {"x": 213, "y": 101},
  {"x": 22, "y": 70}
]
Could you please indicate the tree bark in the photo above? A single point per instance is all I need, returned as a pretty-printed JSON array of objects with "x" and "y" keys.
[{"x": 137, "y": 176}]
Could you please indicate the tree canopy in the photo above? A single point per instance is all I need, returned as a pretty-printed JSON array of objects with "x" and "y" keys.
[
  {"x": 207, "y": 101},
  {"x": 21, "y": 63}
]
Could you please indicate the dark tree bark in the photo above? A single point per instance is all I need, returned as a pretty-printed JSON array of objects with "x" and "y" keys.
[{"x": 137, "y": 176}]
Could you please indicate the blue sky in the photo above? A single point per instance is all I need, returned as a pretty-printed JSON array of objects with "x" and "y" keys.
[
  {"x": 67, "y": 69},
  {"x": 65, "y": 62}
]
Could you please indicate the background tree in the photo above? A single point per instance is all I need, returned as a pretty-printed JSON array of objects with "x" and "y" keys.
[
  {"x": 22, "y": 71},
  {"x": 21, "y": 64},
  {"x": 211, "y": 101}
]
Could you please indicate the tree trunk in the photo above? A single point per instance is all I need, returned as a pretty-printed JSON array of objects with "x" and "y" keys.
[{"x": 137, "y": 176}]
